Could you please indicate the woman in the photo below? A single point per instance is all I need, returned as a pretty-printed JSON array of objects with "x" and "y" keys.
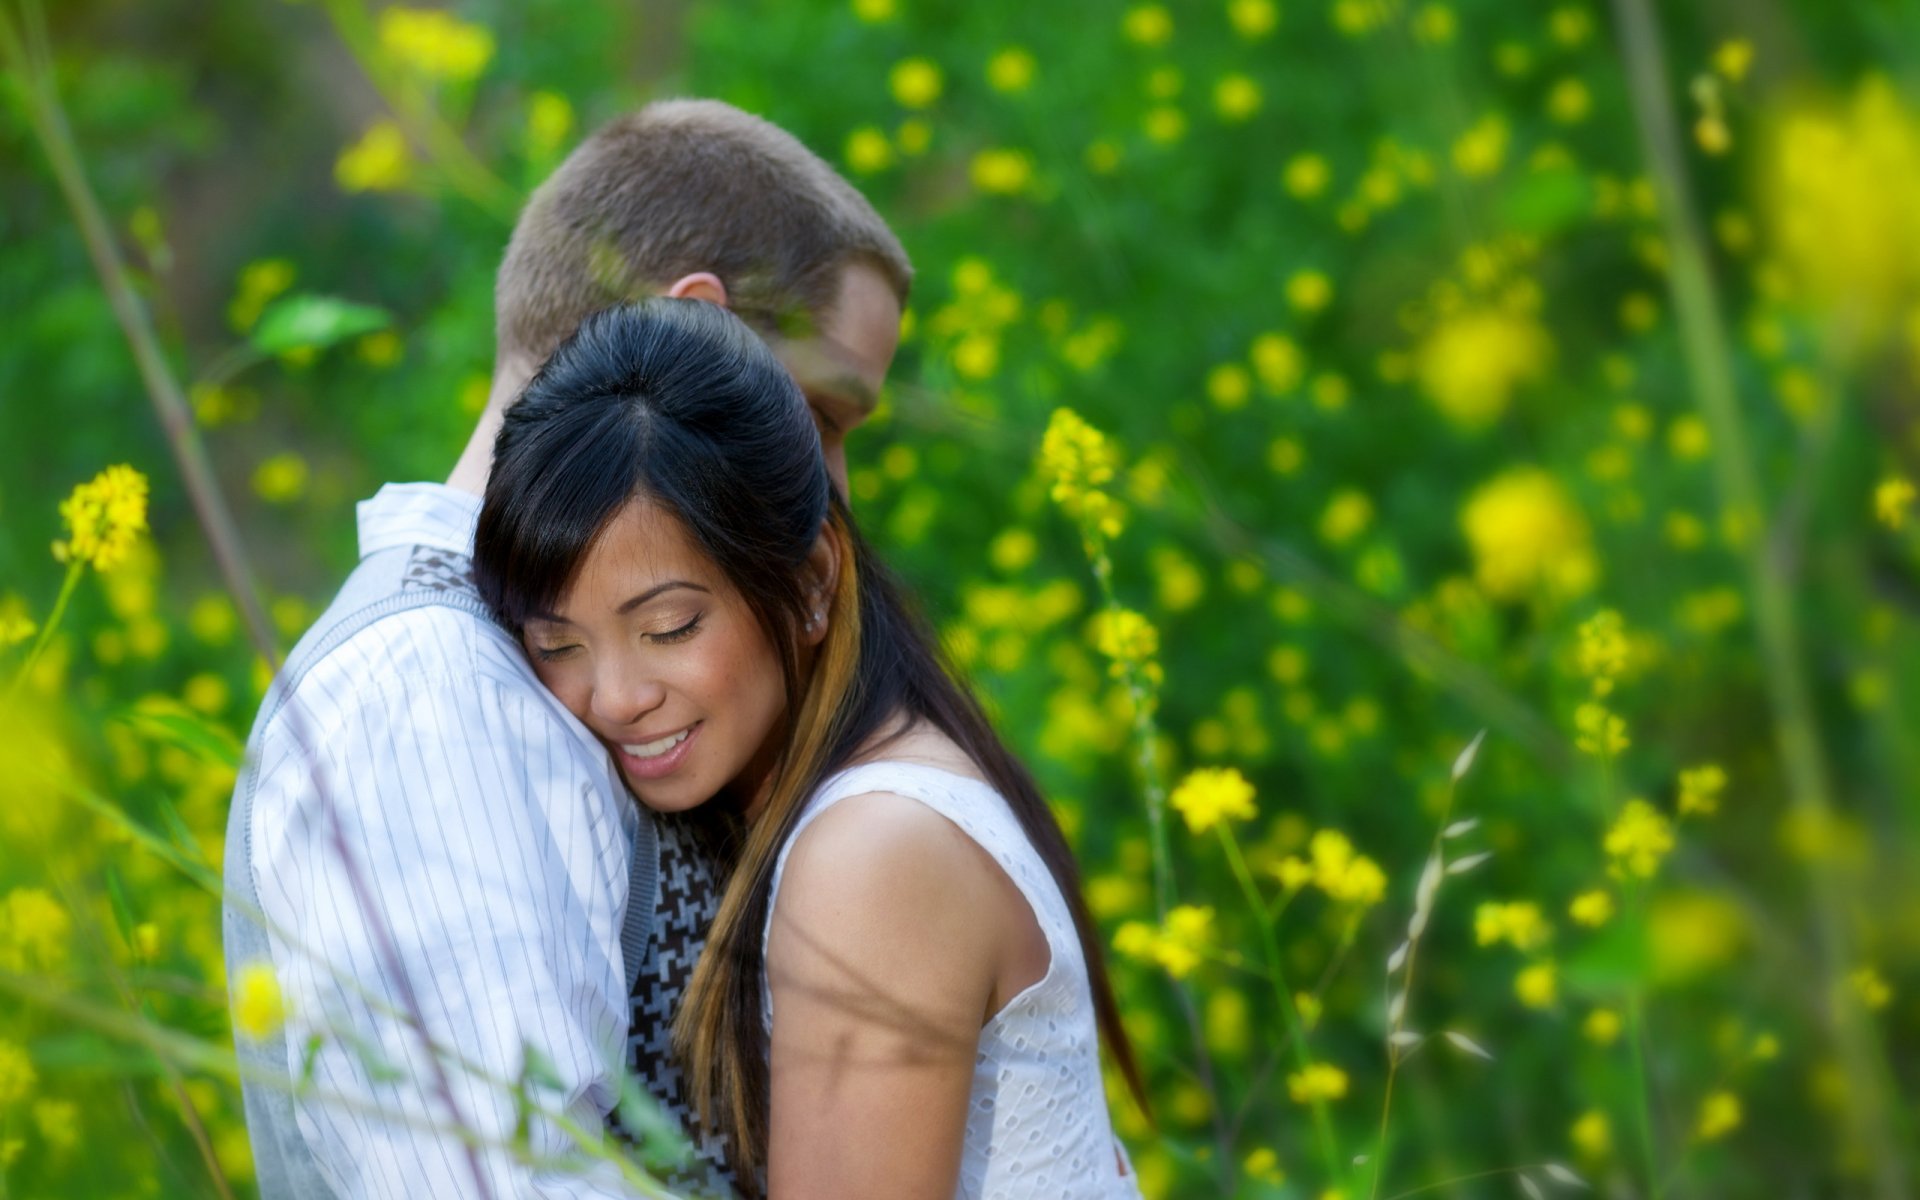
[{"x": 900, "y": 991}]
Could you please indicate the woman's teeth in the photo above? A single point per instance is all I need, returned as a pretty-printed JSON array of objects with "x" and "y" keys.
[{"x": 656, "y": 749}]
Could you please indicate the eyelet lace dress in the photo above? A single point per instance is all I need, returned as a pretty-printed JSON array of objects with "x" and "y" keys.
[{"x": 1037, "y": 1123}]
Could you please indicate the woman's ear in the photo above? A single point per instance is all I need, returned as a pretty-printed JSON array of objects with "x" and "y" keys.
[{"x": 822, "y": 578}]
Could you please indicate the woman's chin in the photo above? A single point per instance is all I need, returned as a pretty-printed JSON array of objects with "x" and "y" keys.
[{"x": 663, "y": 799}]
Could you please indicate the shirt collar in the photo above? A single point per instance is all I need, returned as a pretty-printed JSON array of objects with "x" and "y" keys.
[{"x": 418, "y": 514}]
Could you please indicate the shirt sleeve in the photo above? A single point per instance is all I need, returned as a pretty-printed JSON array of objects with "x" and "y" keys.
[{"x": 491, "y": 851}]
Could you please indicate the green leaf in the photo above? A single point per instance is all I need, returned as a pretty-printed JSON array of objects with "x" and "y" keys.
[
  {"x": 165, "y": 721},
  {"x": 1612, "y": 962},
  {"x": 1545, "y": 202},
  {"x": 88, "y": 1053},
  {"x": 117, "y": 899},
  {"x": 307, "y": 321}
]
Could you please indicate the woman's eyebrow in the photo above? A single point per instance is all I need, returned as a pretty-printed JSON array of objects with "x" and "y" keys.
[
  {"x": 656, "y": 590},
  {"x": 626, "y": 607}
]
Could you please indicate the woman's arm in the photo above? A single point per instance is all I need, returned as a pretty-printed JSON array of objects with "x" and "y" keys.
[{"x": 888, "y": 932}]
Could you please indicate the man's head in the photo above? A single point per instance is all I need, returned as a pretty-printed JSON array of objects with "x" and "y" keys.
[{"x": 695, "y": 198}]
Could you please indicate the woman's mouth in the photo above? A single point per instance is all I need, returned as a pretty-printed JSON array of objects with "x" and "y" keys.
[{"x": 651, "y": 760}]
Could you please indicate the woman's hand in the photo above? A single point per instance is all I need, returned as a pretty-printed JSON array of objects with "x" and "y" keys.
[{"x": 890, "y": 931}]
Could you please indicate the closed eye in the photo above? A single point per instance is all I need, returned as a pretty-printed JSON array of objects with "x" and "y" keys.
[
  {"x": 676, "y": 635},
  {"x": 552, "y": 653}
]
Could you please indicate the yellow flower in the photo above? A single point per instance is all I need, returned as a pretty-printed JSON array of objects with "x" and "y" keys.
[
  {"x": 1001, "y": 172},
  {"x": 435, "y": 43},
  {"x": 1343, "y": 875},
  {"x": 259, "y": 1009},
  {"x": 1592, "y": 1134},
  {"x": 1527, "y": 537},
  {"x": 1603, "y": 649},
  {"x": 1471, "y": 364},
  {"x": 1253, "y": 18},
  {"x": 1700, "y": 789},
  {"x": 1127, "y": 638},
  {"x": 1184, "y": 940},
  {"x": 104, "y": 518},
  {"x": 1306, "y": 175},
  {"x": 1732, "y": 58},
  {"x": 1569, "y": 102},
  {"x": 260, "y": 281},
  {"x": 1229, "y": 386},
  {"x": 1210, "y": 795},
  {"x": 1481, "y": 150},
  {"x": 1689, "y": 439},
  {"x": 1639, "y": 839},
  {"x": 1891, "y": 500},
  {"x": 1147, "y": 24},
  {"x": 868, "y": 151},
  {"x": 34, "y": 928},
  {"x": 1719, "y": 1116},
  {"x": 1870, "y": 988},
  {"x": 873, "y": 11},
  {"x": 1435, "y": 24},
  {"x": 1263, "y": 1165},
  {"x": 1293, "y": 872},
  {"x": 549, "y": 121},
  {"x": 1570, "y": 25},
  {"x": 58, "y": 1122},
  {"x": 378, "y": 162},
  {"x": 15, "y": 627},
  {"x": 1011, "y": 70},
  {"x": 1592, "y": 909},
  {"x": 914, "y": 136},
  {"x": 1317, "y": 1081},
  {"x": 1842, "y": 194},
  {"x": 17, "y": 1076},
  {"x": 1277, "y": 363},
  {"x": 1309, "y": 291},
  {"x": 1537, "y": 985},
  {"x": 1347, "y": 516},
  {"x": 281, "y": 479},
  {"x": 1080, "y": 462},
  {"x": 1164, "y": 124},
  {"x": 1602, "y": 1027},
  {"x": 1357, "y": 18},
  {"x": 1309, "y": 1006},
  {"x": 1598, "y": 731},
  {"x": 1518, "y": 923},
  {"x": 1236, "y": 97},
  {"x": 915, "y": 82}
]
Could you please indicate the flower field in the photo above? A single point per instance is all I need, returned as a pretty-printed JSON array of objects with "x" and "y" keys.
[{"x": 1429, "y": 487}]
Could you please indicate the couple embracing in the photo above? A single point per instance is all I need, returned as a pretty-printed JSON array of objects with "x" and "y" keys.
[{"x": 623, "y": 747}]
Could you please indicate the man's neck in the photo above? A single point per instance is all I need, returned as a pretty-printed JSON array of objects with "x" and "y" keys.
[{"x": 476, "y": 460}]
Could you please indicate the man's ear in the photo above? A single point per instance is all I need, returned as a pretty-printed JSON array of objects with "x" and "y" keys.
[
  {"x": 701, "y": 285},
  {"x": 823, "y": 579}
]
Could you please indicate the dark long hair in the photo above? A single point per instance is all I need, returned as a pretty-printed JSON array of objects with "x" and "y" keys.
[{"x": 678, "y": 402}]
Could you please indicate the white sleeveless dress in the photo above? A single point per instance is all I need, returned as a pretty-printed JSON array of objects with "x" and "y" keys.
[{"x": 1037, "y": 1124}]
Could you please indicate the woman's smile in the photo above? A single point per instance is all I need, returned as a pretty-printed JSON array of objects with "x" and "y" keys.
[{"x": 658, "y": 757}]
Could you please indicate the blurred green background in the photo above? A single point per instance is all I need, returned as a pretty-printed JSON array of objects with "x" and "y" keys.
[{"x": 1542, "y": 369}]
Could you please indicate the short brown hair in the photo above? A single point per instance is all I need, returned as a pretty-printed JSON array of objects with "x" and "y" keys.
[{"x": 678, "y": 187}]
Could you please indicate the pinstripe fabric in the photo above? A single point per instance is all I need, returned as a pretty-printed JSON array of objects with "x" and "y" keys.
[{"x": 499, "y": 848}]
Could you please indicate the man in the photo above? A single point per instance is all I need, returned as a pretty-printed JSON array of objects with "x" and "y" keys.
[{"x": 421, "y": 829}]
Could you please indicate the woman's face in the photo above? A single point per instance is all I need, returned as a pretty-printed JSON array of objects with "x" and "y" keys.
[{"x": 657, "y": 654}]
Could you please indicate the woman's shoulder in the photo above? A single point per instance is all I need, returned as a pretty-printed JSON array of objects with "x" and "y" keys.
[
  {"x": 882, "y": 845},
  {"x": 881, "y": 886}
]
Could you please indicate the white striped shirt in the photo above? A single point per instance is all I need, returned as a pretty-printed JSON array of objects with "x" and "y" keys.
[{"x": 496, "y": 839}]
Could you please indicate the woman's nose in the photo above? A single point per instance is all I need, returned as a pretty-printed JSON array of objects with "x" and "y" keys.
[{"x": 623, "y": 694}]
